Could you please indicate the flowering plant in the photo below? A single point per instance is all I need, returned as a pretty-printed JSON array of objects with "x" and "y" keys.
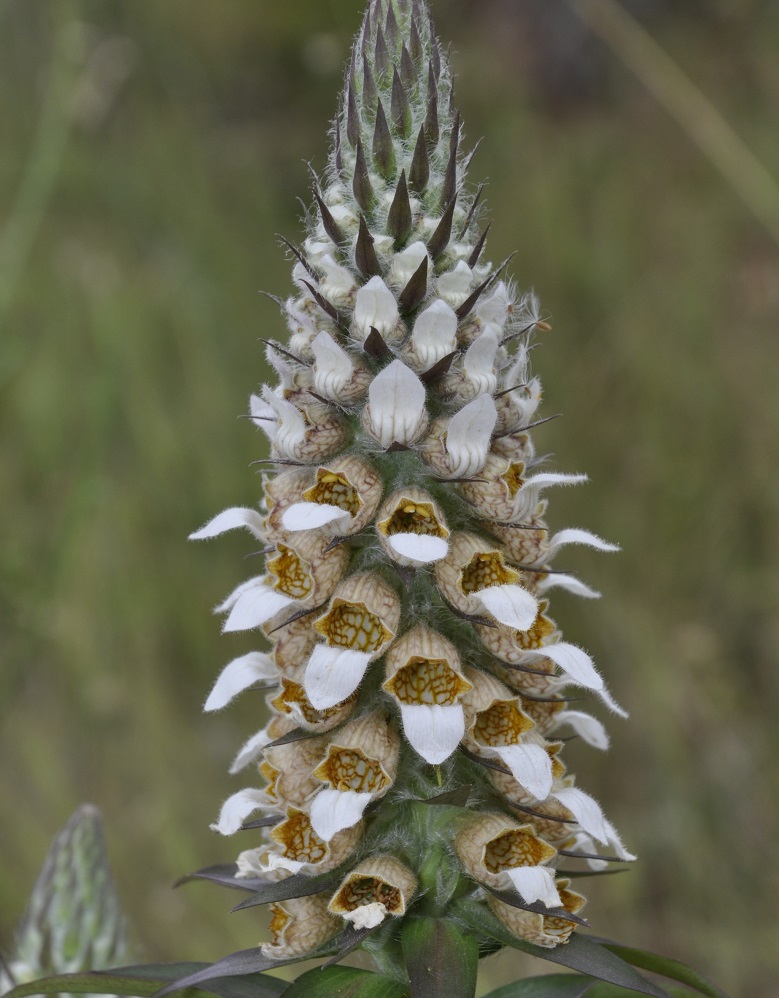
[{"x": 415, "y": 801}]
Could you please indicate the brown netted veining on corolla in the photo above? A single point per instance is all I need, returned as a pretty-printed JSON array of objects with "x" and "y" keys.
[
  {"x": 367, "y": 890},
  {"x": 413, "y": 518},
  {"x": 516, "y": 847},
  {"x": 501, "y": 724},
  {"x": 334, "y": 489},
  {"x": 573, "y": 903},
  {"x": 350, "y": 769},
  {"x": 352, "y": 625},
  {"x": 485, "y": 569},
  {"x": 427, "y": 681},
  {"x": 298, "y": 838},
  {"x": 291, "y": 572},
  {"x": 512, "y": 476}
]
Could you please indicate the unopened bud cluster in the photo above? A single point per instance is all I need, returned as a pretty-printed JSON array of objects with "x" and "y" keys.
[
  {"x": 408, "y": 565},
  {"x": 73, "y": 920}
]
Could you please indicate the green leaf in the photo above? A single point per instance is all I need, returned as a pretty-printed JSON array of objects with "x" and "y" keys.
[
  {"x": 296, "y": 886},
  {"x": 347, "y": 942},
  {"x": 442, "y": 962},
  {"x": 224, "y": 874},
  {"x": 345, "y": 982},
  {"x": 144, "y": 981},
  {"x": 551, "y": 986},
  {"x": 246, "y": 986},
  {"x": 673, "y": 969},
  {"x": 612, "y": 991},
  {"x": 89, "y": 983},
  {"x": 512, "y": 898},
  {"x": 245, "y": 963},
  {"x": 579, "y": 953}
]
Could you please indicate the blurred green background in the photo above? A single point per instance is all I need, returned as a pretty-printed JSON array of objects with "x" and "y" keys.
[{"x": 151, "y": 150}]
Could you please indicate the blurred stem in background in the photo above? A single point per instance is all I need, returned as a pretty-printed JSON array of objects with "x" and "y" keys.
[
  {"x": 699, "y": 118},
  {"x": 28, "y": 209}
]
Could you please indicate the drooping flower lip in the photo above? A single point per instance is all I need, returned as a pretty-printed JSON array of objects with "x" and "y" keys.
[
  {"x": 303, "y": 573},
  {"x": 476, "y": 580},
  {"x": 503, "y": 854},
  {"x": 342, "y": 500},
  {"x": 379, "y": 887},
  {"x": 359, "y": 766},
  {"x": 547, "y": 931},
  {"x": 425, "y": 678},
  {"x": 360, "y": 623},
  {"x": 497, "y": 726},
  {"x": 296, "y": 847},
  {"x": 412, "y": 529}
]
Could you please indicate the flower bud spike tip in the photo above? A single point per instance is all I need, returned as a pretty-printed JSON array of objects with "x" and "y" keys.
[{"x": 408, "y": 563}]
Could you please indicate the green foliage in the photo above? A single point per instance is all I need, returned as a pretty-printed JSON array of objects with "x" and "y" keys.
[
  {"x": 672, "y": 969},
  {"x": 612, "y": 991},
  {"x": 345, "y": 982},
  {"x": 551, "y": 986},
  {"x": 442, "y": 962},
  {"x": 145, "y": 981}
]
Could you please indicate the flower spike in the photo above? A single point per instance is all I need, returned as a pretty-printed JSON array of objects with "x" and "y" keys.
[{"x": 409, "y": 566}]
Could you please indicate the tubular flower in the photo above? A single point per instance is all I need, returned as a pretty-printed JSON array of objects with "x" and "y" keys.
[
  {"x": 376, "y": 888},
  {"x": 299, "y": 926},
  {"x": 543, "y": 930},
  {"x": 408, "y": 563}
]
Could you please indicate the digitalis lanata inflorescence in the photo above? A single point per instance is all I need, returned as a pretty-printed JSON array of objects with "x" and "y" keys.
[{"x": 408, "y": 565}]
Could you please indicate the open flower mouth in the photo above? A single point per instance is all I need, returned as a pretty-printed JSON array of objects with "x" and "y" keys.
[
  {"x": 427, "y": 682},
  {"x": 512, "y": 476},
  {"x": 298, "y": 840},
  {"x": 350, "y": 769},
  {"x": 279, "y": 921},
  {"x": 353, "y": 626},
  {"x": 377, "y": 887},
  {"x": 334, "y": 489},
  {"x": 535, "y": 635},
  {"x": 291, "y": 572},
  {"x": 413, "y": 518},
  {"x": 501, "y": 724},
  {"x": 412, "y": 529},
  {"x": 516, "y": 847},
  {"x": 487, "y": 569},
  {"x": 359, "y": 892}
]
